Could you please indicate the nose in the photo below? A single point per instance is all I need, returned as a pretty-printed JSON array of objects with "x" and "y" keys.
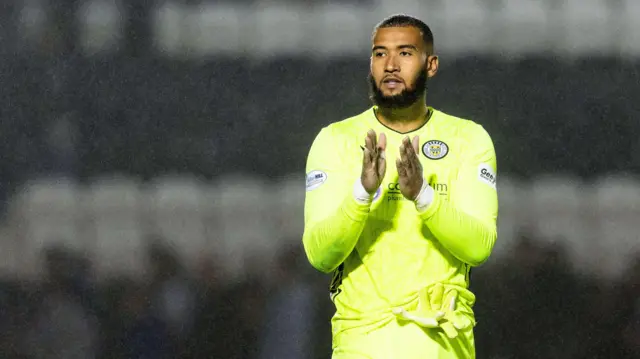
[{"x": 391, "y": 64}]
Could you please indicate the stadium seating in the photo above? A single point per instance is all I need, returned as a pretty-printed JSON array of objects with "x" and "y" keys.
[
  {"x": 465, "y": 28},
  {"x": 338, "y": 29},
  {"x": 178, "y": 213},
  {"x": 45, "y": 213},
  {"x": 516, "y": 20},
  {"x": 614, "y": 210},
  {"x": 113, "y": 225},
  {"x": 241, "y": 218},
  {"x": 628, "y": 38},
  {"x": 289, "y": 207},
  {"x": 580, "y": 17},
  {"x": 555, "y": 203},
  {"x": 512, "y": 216},
  {"x": 245, "y": 86},
  {"x": 273, "y": 31},
  {"x": 101, "y": 20},
  {"x": 245, "y": 229},
  {"x": 276, "y": 27}
]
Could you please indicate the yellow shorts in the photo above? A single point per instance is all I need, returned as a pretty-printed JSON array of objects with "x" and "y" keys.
[{"x": 405, "y": 341}]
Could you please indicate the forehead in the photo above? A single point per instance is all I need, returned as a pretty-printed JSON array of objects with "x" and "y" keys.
[{"x": 396, "y": 36}]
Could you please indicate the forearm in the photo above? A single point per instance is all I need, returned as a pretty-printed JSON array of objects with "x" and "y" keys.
[
  {"x": 466, "y": 237},
  {"x": 330, "y": 241}
]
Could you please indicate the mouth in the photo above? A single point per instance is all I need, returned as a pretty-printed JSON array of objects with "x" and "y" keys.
[{"x": 392, "y": 82}]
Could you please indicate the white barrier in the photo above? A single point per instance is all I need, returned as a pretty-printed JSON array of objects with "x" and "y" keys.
[
  {"x": 240, "y": 219},
  {"x": 508, "y": 28}
]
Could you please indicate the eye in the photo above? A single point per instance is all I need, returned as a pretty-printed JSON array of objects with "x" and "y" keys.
[
  {"x": 405, "y": 53},
  {"x": 378, "y": 54}
]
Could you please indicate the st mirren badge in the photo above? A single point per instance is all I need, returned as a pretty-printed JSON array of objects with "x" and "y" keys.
[{"x": 435, "y": 149}]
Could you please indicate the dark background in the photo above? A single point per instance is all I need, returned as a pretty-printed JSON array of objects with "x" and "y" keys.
[{"x": 139, "y": 113}]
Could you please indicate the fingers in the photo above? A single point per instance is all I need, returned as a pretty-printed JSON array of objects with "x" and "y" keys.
[
  {"x": 411, "y": 148},
  {"x": 372, "y": 140},
  {"x": 374, "y": 149},
  {"x": 402, "y": 168},
  {"x": 402, "y": 162},
  {"x": 404, "y": 153},
  {"x": 374, "y": 160},
  {"x": 382, "y": 146},
  {"x": 413, "y": 151},
  {"x": 382, "y": 142},
  {"x": 366, "y": 158},
  {"x": 382, "y": 165},
  {"x": 368, "y": 142},
  {"x": 367, "y": 152},
  {"x": 375, "y": 143},
  {"x": 370, "y": 148},
  {"x": 415, "y": 145},
  {"x": 408, "y": 159}
]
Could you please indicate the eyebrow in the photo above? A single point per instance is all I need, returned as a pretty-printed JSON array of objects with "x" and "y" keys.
[{"x": 380, "y": 47}]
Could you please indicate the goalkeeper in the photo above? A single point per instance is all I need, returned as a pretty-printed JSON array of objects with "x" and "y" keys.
[{"x": 400, "y": 204}]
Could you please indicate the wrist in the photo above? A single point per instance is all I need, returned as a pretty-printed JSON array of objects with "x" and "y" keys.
[
  {"x": 360, "y": 194},
  {"x": 425, "y": 197}
]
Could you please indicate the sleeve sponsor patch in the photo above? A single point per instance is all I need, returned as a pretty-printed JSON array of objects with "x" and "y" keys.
[
  {"x": 487, "y": 175},
  {"x": 315, "y": 179}
]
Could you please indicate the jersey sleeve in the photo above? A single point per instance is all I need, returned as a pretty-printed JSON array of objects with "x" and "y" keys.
[
  {"x": 333, "y": 219},
  {"x": 466, "y": 224}
]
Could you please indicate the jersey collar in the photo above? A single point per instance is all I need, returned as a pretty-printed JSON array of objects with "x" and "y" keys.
[{"x": 433, "y": 114}]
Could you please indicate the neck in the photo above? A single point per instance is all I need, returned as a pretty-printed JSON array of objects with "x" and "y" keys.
[{"x": 404, "y": 119}]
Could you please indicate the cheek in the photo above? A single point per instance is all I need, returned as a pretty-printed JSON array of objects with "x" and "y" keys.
[
  {"x": 413, "y": 77},
  {"x": 375, "y": 78},
  {"x": 375, "y": 70}
]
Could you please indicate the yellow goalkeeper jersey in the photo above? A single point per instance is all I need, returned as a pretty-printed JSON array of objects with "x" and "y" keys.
[{"x": 381, "y": 254}]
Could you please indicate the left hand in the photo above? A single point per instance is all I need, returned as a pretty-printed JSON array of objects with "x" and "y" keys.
[{"x": 409, "y": 169}]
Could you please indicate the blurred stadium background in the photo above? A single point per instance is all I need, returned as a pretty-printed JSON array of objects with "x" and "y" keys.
[{"x": 152, "y": 166}]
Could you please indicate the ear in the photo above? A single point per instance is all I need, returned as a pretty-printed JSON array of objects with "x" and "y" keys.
[{"x": 433, "y": 62}]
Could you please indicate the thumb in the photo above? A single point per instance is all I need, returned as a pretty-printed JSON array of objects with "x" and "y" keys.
[{"x": 416, "y": 144}]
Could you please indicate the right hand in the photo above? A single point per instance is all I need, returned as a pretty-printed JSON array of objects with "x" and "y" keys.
[{"x": 374, "y": 164}]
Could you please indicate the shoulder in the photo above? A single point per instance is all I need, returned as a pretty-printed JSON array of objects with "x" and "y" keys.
[
  {"x": 338, "y": 139},
  {"x": 347, "y": 127},
  {"x": 352, "y": 123},
  {"x": 467, "y": 129}
]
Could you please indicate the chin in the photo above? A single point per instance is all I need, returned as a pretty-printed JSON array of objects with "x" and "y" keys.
[{"x": 391, "y": 94}]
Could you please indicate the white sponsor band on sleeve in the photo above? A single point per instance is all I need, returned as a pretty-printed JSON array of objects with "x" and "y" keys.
[
  {"x": 487, "y": 175},
  {"x": 315, "y": 179}
]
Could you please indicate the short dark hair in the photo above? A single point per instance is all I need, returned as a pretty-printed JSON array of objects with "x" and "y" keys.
[{"x": 401, "y": 20}]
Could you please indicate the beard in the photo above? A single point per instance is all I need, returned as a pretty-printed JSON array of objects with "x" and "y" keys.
[{"x": 406, "y": 98}]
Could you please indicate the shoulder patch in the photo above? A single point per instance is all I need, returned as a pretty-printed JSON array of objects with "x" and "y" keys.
[
  {"x": 315, "y": 179},
  {"x": 435, "y": 149},
  {"x": 487, "y": 175}
]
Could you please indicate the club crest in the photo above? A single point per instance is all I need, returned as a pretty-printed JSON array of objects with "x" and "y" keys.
[{"x": 435, "y": 149}]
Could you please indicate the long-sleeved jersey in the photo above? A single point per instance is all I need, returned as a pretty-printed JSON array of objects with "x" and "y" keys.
[{"x": 381, "y": 253}]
